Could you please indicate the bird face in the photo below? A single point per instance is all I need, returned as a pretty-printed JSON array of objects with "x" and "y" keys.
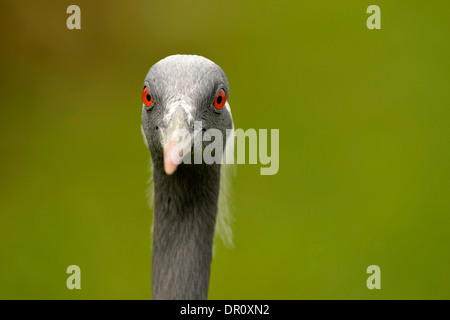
[{"x": 180, "y": 92}]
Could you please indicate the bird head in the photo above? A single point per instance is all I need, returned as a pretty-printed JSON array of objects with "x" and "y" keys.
[{"x": 180, "y": 91}]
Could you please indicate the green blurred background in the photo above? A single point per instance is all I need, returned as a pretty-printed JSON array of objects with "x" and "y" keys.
[{"x": 364, "y": 146}]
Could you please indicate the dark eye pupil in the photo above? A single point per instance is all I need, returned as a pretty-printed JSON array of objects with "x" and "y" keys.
[
  {"x": 148, "y": 97},
  {"x": 219, "y": 99}
]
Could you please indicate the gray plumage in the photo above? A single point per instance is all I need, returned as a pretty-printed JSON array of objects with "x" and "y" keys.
[{"x": 186, "y": 200}]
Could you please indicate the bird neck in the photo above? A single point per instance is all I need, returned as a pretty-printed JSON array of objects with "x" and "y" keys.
[{"x": 183, "y": 230}]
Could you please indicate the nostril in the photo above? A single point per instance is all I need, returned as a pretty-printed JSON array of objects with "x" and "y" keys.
[{"x": 156, "y": 128}]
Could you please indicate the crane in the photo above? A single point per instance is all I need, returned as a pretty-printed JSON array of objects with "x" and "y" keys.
[{"x": 178, "y": 91}]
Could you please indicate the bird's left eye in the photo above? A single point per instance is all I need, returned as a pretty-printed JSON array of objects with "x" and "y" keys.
[
  {"x": 220, "y": 100},
  {"x": 146, "y": 97}
]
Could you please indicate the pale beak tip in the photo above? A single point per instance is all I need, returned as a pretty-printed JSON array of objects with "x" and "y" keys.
[{"x": 169, "y": 167}]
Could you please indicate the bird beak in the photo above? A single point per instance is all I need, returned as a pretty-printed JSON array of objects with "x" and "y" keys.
[
  {"x": 170, "y": 156},
  {"x": 177, "y": 141}
]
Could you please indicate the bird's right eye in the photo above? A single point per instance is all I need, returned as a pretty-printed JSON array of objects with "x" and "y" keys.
[{"x": 146, "y": 97}]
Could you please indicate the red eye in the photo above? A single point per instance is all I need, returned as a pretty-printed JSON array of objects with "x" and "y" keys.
[
  {"x": 146, "y": 97},
  {"x": 220, "y": 100}
]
